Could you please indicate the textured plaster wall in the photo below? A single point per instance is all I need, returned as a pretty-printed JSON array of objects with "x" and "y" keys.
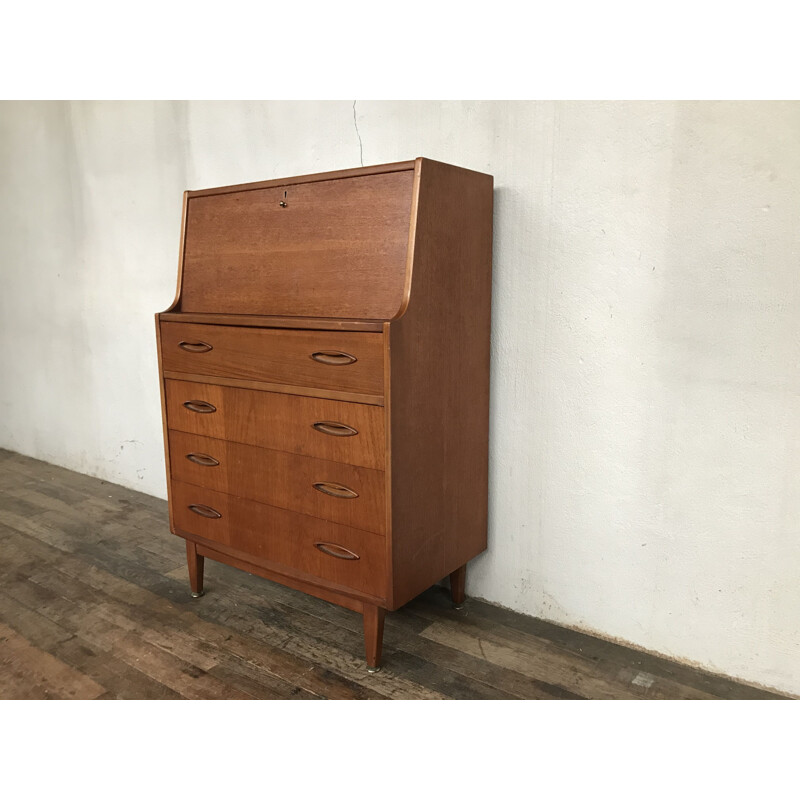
[{"x": 646, "y": 337}]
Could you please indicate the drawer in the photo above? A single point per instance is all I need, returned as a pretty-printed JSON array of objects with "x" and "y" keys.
[
  {"x": 344, "y": 556},
  {"x": 352, "y": 433},
  {"x": 335, "y": 248},
  {"x": 339, "y": 360},
  {"x": 330, "y": 490}
]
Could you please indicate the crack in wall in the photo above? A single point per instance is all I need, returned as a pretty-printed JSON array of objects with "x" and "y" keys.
[{"x": 360, "y": 143}]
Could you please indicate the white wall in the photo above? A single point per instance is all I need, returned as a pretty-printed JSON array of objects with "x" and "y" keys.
[{"x": 645, "y": 388}]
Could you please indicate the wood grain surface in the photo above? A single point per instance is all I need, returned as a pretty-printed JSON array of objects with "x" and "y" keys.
[
  {"x": 439, "y": 384},
  {"x": 299, "y": 323},
  {"x": 315, "y": 177},
  {"x": 277, "y": 356},
  {"x": 279, "y": 421},
  {"x": 336, "y": 248},
  {"x": 283, "y": 388},
  {"x": 94, "y": 602},
  {"x": 283, "y": 538},
  {"x": 281, "y": 479}
]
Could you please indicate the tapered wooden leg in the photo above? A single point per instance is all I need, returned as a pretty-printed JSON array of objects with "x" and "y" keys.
[
  {"x": 373, "y": 635},
  {"x": 196, "y": 563},
  {"x": 458, "y": 581}
]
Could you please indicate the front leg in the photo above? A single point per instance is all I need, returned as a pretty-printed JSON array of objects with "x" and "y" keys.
[
  {"x": 196, "y": 564},
  {"x": 373, "y": 635}
]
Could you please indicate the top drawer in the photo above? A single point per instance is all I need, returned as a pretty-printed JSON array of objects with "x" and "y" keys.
[
  {"x": 338, "y": 360},
  {"x": 333, "y": 248}
]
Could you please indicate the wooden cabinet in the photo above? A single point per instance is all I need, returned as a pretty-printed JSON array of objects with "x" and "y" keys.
[{"x": 324, "y": 378}]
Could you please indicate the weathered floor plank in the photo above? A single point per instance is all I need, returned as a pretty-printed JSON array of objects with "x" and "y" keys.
[
  {"x": 94, "y": 603},
  {"x": 27, "y": 673}
]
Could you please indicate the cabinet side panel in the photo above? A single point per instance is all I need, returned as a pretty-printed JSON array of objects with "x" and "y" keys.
[
  {"x": 439, "y": 375},
  {"x": 175, "y": 306}
]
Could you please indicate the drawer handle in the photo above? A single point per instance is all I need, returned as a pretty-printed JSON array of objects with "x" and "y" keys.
[
  {"x": 334, "y": 429},
  {"x": 200, "y": 406},
  {"x": 202, "y": 459},
  {"x": 333, "y": 358},
  {"x": 205, "y": 511},
  {"x": 337, "y": 551},
  {"x": 335, "y": 490},
  {"x": 195, "y": 347}
]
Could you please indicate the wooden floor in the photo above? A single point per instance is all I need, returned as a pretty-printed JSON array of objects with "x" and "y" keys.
[{"x": 94, "y": 603}]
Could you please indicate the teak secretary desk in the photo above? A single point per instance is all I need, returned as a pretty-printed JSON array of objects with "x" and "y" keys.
[{"x": 324, "y": 378}]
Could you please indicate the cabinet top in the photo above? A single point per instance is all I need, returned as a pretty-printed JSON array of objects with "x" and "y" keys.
[{"x": 316, "y": 177}]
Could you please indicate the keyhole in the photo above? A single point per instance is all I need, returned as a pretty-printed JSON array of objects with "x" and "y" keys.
[{"x": 283, "y": 202}]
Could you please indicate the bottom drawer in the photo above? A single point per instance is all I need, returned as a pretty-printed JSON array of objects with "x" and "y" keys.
[{"x": 321, "y": 549}]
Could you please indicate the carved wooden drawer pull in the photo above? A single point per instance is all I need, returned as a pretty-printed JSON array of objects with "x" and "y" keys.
[
  {"x": 202, "y": 459},
  {"x": 334, "y": 358},
  {"x": 205, "y": 511},
  {"x": 200, "y": 406},
  {"x": 335, "y": 490},
  {"x": 337, "y": 551},
  {"x": 334, "y": 429},
  {"x": 195, "y": 347}
]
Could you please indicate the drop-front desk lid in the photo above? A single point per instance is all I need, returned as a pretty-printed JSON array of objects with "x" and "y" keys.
[{"x": 333, "y": 245}]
